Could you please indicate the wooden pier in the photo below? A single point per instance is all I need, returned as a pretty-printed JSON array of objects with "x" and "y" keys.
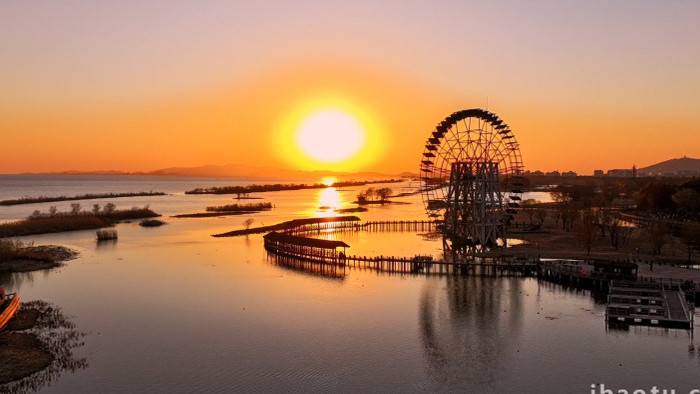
[
  {"x": 420, "y": 265},
  {"x": 373, "y": 226},
  {"x": 652, "y": 304},
  {"x": 314, "y": 268}
]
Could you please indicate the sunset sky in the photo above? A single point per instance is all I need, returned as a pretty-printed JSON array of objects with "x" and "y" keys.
[{"x": 142, "y": 85}]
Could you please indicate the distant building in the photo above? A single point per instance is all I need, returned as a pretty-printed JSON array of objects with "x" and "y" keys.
[
  {"x": 553, "y": 173},
  {"x": 620, "y": 173},
  {"x": 598, "y": 173},
  {"x": 688, "y": 174},
  {"x": 569, "y": 174}
]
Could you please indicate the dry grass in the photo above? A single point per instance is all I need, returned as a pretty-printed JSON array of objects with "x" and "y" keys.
[
  {"x": 152, "y": 223},
  {"x": 42, "y": 199},
  {"x": 105, "y": 235},
  {"x": 61, "y": 221},
  {"x": 262, "y": 206}
]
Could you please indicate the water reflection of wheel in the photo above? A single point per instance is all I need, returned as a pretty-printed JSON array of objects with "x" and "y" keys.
[{"x": 467, "y": 327}]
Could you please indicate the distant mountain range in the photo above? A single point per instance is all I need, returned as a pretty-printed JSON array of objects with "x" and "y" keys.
[
  {"x": 245, "y": 172},
  {"x": 684, "y": 165}
]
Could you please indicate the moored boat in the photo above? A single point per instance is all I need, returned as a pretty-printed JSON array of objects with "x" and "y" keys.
[{"x": 9, "y": 305}]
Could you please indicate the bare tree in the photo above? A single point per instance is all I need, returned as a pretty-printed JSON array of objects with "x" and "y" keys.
[
  {"x": 614, "y": 226},
  {"x": 383, "y": 193},
  {"x": 529, "y": 209},
  {"x": 690, "y": 234},
  {"x": 625, "y": 234},
  {"x": 586, "y": 228},
  {"x": 74, "y": 208},
  {"x": 568, "y": 216},
  {"x": 248, "y": 222},
  {"x": 541, "y": 214},
  {"x": 109, "y": 208},
  {"x": 53, "y": 211},
  {"x": 95, "y": 209},
  {"x": 657, "y": 231},
  {"x": 556, "y": 215}
]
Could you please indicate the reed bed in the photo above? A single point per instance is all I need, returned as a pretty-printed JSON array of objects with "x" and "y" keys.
[
  {"x": 106, "y": 235},
  {"x": 90, "y": 196},
  {"x": 244, "y": 190},
  {"x": 262, "y": 206},
  {"x": 54, "y": 222},
  {"x": 152, "y": 223}
]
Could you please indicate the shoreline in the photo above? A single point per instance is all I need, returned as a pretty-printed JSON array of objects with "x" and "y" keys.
[{"x": 39, "y": 258}]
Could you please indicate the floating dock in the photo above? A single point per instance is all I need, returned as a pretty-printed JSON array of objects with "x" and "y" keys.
[{"x": 652, "y": 304}]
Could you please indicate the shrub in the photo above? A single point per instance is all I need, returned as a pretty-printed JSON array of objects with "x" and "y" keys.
[
  {"x": 103, "y": 235},
  {"x": 152, "y": 223}
]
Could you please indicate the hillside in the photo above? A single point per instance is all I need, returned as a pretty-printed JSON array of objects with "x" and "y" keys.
[
  {"x": 674, "y": 166},
  {"x": 242, "y": 172}
]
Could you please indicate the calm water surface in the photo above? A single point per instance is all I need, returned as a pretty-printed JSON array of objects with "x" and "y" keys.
[{"x": 173, "y": 310}]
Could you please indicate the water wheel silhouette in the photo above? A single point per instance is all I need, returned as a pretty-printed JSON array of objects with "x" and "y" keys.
[{"x": 472, "y": 179}]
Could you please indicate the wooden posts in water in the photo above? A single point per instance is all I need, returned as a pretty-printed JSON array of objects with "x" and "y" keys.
[{"x": 291, "y": 244}]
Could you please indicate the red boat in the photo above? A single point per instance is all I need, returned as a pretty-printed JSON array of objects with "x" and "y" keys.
[{"x": 9, "y": 305}]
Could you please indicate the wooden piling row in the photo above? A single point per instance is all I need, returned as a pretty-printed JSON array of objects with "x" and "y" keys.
[{"x": 391, "y": 264}]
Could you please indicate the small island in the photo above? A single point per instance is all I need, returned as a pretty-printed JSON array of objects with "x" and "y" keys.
[
  {"x": 226, "y": 210},
  {"x": 90, "y": 196},
  {"x": 245, "y": 190},
  {"x": 55, "y": 221}
]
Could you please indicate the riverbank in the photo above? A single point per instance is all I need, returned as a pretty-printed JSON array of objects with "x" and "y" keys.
[
  {"x": 551, "y": 242},
  {"x": 35, "y": 258}
]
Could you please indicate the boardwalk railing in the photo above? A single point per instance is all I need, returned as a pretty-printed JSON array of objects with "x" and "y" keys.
[{"x": 374, "y": 226}]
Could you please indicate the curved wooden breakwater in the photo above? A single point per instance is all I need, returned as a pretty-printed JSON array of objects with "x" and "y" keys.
[
  {"x": 373, "y": 226},
  {"x": 291, "y": 244}
]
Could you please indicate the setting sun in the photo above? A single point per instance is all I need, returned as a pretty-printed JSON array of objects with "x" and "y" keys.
[
  {"x": 329, "y": 131},
  {"x": 330, "y": 136}
]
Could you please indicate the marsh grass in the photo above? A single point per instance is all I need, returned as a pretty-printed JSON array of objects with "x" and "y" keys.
[
  {"x": 152, "y": 223},
  {"x": 17, "y": 250},
  {"x": 42, "y": 199},
  {"x": 55, "y": 222},
  {"x": 262, "y": 206},
  {"x": 105, "y": 235},
  {"x": 244, "y": 190}
]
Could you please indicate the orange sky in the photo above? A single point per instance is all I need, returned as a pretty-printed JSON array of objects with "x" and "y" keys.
[{"x": 142, "y": 87}]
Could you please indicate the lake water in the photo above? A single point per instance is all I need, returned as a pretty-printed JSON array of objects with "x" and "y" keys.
[{"x": 174, "y": 310}]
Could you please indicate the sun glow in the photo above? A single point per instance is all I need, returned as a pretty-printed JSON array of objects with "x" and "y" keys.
[
  {"x": 329, "y": 133},
  {"x": 330, "y": 136},
  {"x": 329, "y": 181}
]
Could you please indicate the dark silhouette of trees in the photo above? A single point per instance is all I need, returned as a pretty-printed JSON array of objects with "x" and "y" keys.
[
  {"x": 108, "y": 209},
  {"x": 541, "y": 214},
  {"x": 383, "y": 193},
  {"x": 687, "y": 201},
  {"x": 586, "y": 228},
  {"x": 657, "y": 230},
  {"x": 371, "y": 195},
  {"x": 690, "y": 235},
  {"x": 656, "y": 197}
]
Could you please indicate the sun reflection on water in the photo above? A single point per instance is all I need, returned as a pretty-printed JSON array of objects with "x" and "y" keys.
[{"x": 328, "y": 201}]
